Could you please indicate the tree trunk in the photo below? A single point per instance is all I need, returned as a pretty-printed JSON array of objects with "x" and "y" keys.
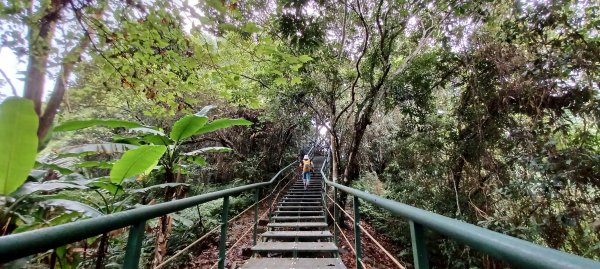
[
  {"x": 335, "y": 158},
  {"x": 39, "y": 37},
  {"x": 102, "y": 251},
  {"x": 164, "y": 224}
]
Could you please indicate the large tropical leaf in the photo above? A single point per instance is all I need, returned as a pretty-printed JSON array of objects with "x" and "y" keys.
[
  {"x": 187, "y": 126},
  {"x": 54, "y": 166},
  {"x": 18, "y": 142},
  {"x": 146, "y": 130},
  {"x": 82, "y": 124},
  {"x": 31, "y": 187},
  {"x": 104, "y": 148},
  {"x": 157, "y": 139},
  {"x": 135, "y": 162},
  {"x": 204, "y": 111},
  {"x": 74, "y": 206},
  {"x": 220, "y": 124},
  {"x": 158, "y": 186},
  {"x": 208, "y": 150},
  {"x": 96, "y": 164}
]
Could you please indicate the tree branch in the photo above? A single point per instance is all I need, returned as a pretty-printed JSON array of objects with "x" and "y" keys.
[{"x": 12, "y": 87}]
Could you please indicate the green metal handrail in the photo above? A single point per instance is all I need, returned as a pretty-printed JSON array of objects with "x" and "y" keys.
[
  {"x": 20, "y": 245},
  {"x": 515, "y": 251}
]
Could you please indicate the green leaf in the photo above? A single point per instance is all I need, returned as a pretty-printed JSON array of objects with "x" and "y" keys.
[
  {"x": 146, "y": 130},
  {"x": 208, "y": 150},
  {"x": 280, "y": 81},
  {"x": 97, "y": 164},
  {"x": 216, "y": 4},
  {"x": 183, "y": 220},
  {"x": 250, "y": 28},
  {"x": 82, "y": 124},
  {"x": 220, "y": 124},
  {"x": 187, "y": 126},
  {"x": 296, "y": 80},
  {"x": 104, "y": 183},
  {"x": 104, "y": 148},
  {"x": 74, "y": 206},
  {"x": 305, "y": 58},
  {"x": 199, "y": 160},
  {"x": 204, "y": 111},
  {"x": 55, "y": 167},
  {"x": 227, "y": 27},
  {"x": 157, "y": 139},
  {"x": 136, "y": 161},
  {"x": 164, "y": 185},
  {"x": 31, "y": 187},
  {"x": 18, "y": 142}
]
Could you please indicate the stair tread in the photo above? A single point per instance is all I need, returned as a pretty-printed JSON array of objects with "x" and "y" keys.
[
  {"x": 297, "y": 217},
  {"x": 299, "y": 206},
  {"x": 298, "y": 224},
  {"x": 297, "y": 212},
  {"x": 292, "y": 234},
  {"x": 297, "y": 263},
  {"x": 295, "y": 246}
]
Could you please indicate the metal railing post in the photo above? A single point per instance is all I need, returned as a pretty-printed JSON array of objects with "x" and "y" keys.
[
  {"x": 335, "y": 215},
  {"x": 357, "y": 245},
  {"x": 223, "y": 238},
  {"x": 417, "y": 235},
  {"x": 270, "y": 206},
  {"x": 324, "y": 195},
  {"x": 134, "y": 245},
  {"x": 255, "y": 216}
]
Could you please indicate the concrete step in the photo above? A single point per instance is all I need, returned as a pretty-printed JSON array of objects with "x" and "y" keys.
[
  {"x": 297, "y": 207},
  {"x": 295, "y": 247},
  {"x": 290, "y": 199},
  {"x": 281, "y": 213},
  {"x": 303, "y": 191},
  {"x": 297, "y": 263},
  {"x": 297, "y": 234},
  {"x": 297, "y": 225},
  {"x": 300, "y": 203},
  {"x": 298, "y": 218}
]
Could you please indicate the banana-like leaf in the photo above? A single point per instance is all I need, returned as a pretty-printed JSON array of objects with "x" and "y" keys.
[
  {"x": 104, "y": 148},
  {"x": 146, "y": 130},
  {"x": 158, "y": 186},
  {"x": 199, "y": 160},
  {"x": 135, "y": 162},
  {"x": 187, "y": 126},
  {"x": 157, "y": 139},
  {"x": 204, "y": 111},
  {"x": 96, "y": 164},
  {"x": 74, "y": 206},
  {"x": 54, "y": 166},
  {"x": 82, "y": 124},
  {"x": 60, "y": 219},
  {"x": 37, "y": 174},
  {"x": 221, "y": 124},
  {"x": 18, "y": 142},
  {"x": 208, "y": 150},
  {"x": 53, "y": 185}
]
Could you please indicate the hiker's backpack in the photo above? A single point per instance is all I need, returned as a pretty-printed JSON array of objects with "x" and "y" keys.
[{"x": 306, "y": 167}]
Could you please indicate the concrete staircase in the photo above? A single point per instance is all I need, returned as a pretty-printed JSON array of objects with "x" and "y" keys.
[{"x": 297, "y": 235}]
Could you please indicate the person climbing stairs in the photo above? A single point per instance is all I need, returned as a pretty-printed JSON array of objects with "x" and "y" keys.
[{"x": 297, "y": 235}]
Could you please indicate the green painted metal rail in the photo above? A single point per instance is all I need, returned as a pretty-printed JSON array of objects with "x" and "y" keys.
[
  {"x": 16, "y": 246},
  {"x": 520, "y": 253}
]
